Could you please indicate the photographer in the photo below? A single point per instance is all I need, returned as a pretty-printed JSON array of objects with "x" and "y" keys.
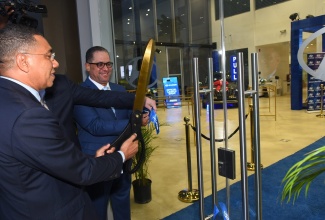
[
  {"x": 16, "y": 12},
  {"x": 4, "y": 15}
]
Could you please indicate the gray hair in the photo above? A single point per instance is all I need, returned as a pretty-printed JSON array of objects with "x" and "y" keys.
[{"x": 15, "y": 39}]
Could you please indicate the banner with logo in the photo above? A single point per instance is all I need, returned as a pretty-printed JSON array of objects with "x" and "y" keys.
[
  {"x": 314, "y": 85},
  {"x": 171, "y": 92}
]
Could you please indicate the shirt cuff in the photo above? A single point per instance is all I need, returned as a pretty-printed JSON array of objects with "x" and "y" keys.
[{"x": 122, "y": 154}]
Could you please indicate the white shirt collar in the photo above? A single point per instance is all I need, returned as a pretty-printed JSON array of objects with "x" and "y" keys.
[
  {"x": 30, "y": 89},
  {"x": 99, "y": 86}
]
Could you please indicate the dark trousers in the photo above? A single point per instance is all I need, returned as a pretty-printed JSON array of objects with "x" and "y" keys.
[
  {"x": 120, "y": 197},
  {"x": 118, "y": 192}
]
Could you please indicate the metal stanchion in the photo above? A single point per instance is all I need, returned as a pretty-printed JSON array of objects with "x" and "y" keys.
[
  {"x": 242, "y": 136},
  {"x": 251, "y": 165},
  {"x": 255, "y": 138},
  {"x": 212, "y": 136},
  {"x": 257, "y": 153},
  {"x": 184, "y": 195},
  {"x": 198, "y": 136},
  {"x": 189, "y": 194},
  {"x": 321, "y": 115}
]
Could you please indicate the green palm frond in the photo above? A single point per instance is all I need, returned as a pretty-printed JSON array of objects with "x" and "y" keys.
[
  {"x": 149, "y": 134},
  {"x": 302, "y": 174}
]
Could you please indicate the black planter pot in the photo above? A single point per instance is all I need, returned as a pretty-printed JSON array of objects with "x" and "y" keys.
[{"x": 142, "y": 192}]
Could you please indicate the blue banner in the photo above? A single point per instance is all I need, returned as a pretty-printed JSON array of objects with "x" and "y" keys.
[
  {"x": 171, "y": 92},
  {"x": 314, "y": 97}
]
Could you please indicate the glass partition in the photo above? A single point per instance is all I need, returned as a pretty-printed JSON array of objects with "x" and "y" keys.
[
  {"x": 186, "y": 29},
  {"x": 179, "y": 25}
]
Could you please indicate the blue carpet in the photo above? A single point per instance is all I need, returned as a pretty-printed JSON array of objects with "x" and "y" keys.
[{"x": 310, "y": 207}]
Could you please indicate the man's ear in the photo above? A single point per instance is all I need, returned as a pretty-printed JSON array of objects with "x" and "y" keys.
[
  {"x": 22, "y": 62},
  {"x": 87, "y": 66}
]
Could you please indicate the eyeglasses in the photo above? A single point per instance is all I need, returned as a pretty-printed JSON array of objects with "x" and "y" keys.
[
  {"x": 50, "y": 56},
  {"x": 101, "y": 65}
]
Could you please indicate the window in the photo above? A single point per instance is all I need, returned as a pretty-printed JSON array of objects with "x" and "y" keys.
[
  {"x": 266, "y": 3},
  {"x": 232, "y": 7}
]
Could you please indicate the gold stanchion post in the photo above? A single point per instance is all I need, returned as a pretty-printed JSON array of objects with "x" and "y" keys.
[
  {"x": 188, "y": 195},
  {"x": 251, "y": 165}
]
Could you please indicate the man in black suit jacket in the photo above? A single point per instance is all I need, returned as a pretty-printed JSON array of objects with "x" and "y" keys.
[{"x": 41, "y": 170}]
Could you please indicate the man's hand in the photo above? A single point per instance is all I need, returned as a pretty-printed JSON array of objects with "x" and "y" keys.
[
  {"x": 150, "y": 104},
  {"x": 104, "y": 149},
  {"x": 130, "y": 147}
]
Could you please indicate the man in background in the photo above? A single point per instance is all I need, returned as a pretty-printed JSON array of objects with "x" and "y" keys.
[{"x": 97, "y": 126}]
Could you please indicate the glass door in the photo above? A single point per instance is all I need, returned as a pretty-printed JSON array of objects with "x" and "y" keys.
[{"x": 175, "y": 65}]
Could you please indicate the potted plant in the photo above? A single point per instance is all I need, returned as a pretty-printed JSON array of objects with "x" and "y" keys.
[
  {"x": 142, "y": 183},
  {"x": 303, "y": 173}
]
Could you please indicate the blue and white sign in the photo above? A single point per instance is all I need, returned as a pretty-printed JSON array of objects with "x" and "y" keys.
[
  {"x": 314, "y": 84},
  {"x": 233, "y": 68},
  {"x": 171, "y": 89},
  {"x": 319, "y": 72}
]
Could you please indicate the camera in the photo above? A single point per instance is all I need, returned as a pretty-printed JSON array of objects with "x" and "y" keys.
[{"x": 21, "y": 7}]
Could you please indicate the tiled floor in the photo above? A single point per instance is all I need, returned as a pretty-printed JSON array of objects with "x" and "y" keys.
[{"x": 291, "y": 131}]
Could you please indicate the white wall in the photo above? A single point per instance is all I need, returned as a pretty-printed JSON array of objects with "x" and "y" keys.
[
  {"x": 258, "y": 30},
  {"x": 263, "y": 26}
]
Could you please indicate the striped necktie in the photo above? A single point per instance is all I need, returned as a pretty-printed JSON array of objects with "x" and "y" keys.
[{"x": 42, "y": 101}]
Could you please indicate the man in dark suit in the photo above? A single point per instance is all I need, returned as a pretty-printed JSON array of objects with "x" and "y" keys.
[
  {"x": 98, "y": 126},
  {"x": 41, "y": 170}
]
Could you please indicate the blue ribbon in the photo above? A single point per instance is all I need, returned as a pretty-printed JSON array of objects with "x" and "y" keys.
[
  {"x": 224, "y": 211},
  {"x": 154, "y": 119},
  {"x": 215, "y": 212}
]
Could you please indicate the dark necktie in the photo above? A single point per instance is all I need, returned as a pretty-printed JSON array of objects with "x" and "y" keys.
[{"x": 42, "y": 101}]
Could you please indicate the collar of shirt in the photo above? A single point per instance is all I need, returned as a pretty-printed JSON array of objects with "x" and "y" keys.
[
  {"x": 30, "y": 89},
  {"x": 99, "y": 86}
]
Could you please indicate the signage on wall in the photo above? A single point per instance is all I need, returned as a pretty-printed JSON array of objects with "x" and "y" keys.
[
  {"x": 314, "y": 99},
  {"x": 172, "y": 92},
  {"x": 319, "y": 72},
  {"x": 233, "y": 68}
]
